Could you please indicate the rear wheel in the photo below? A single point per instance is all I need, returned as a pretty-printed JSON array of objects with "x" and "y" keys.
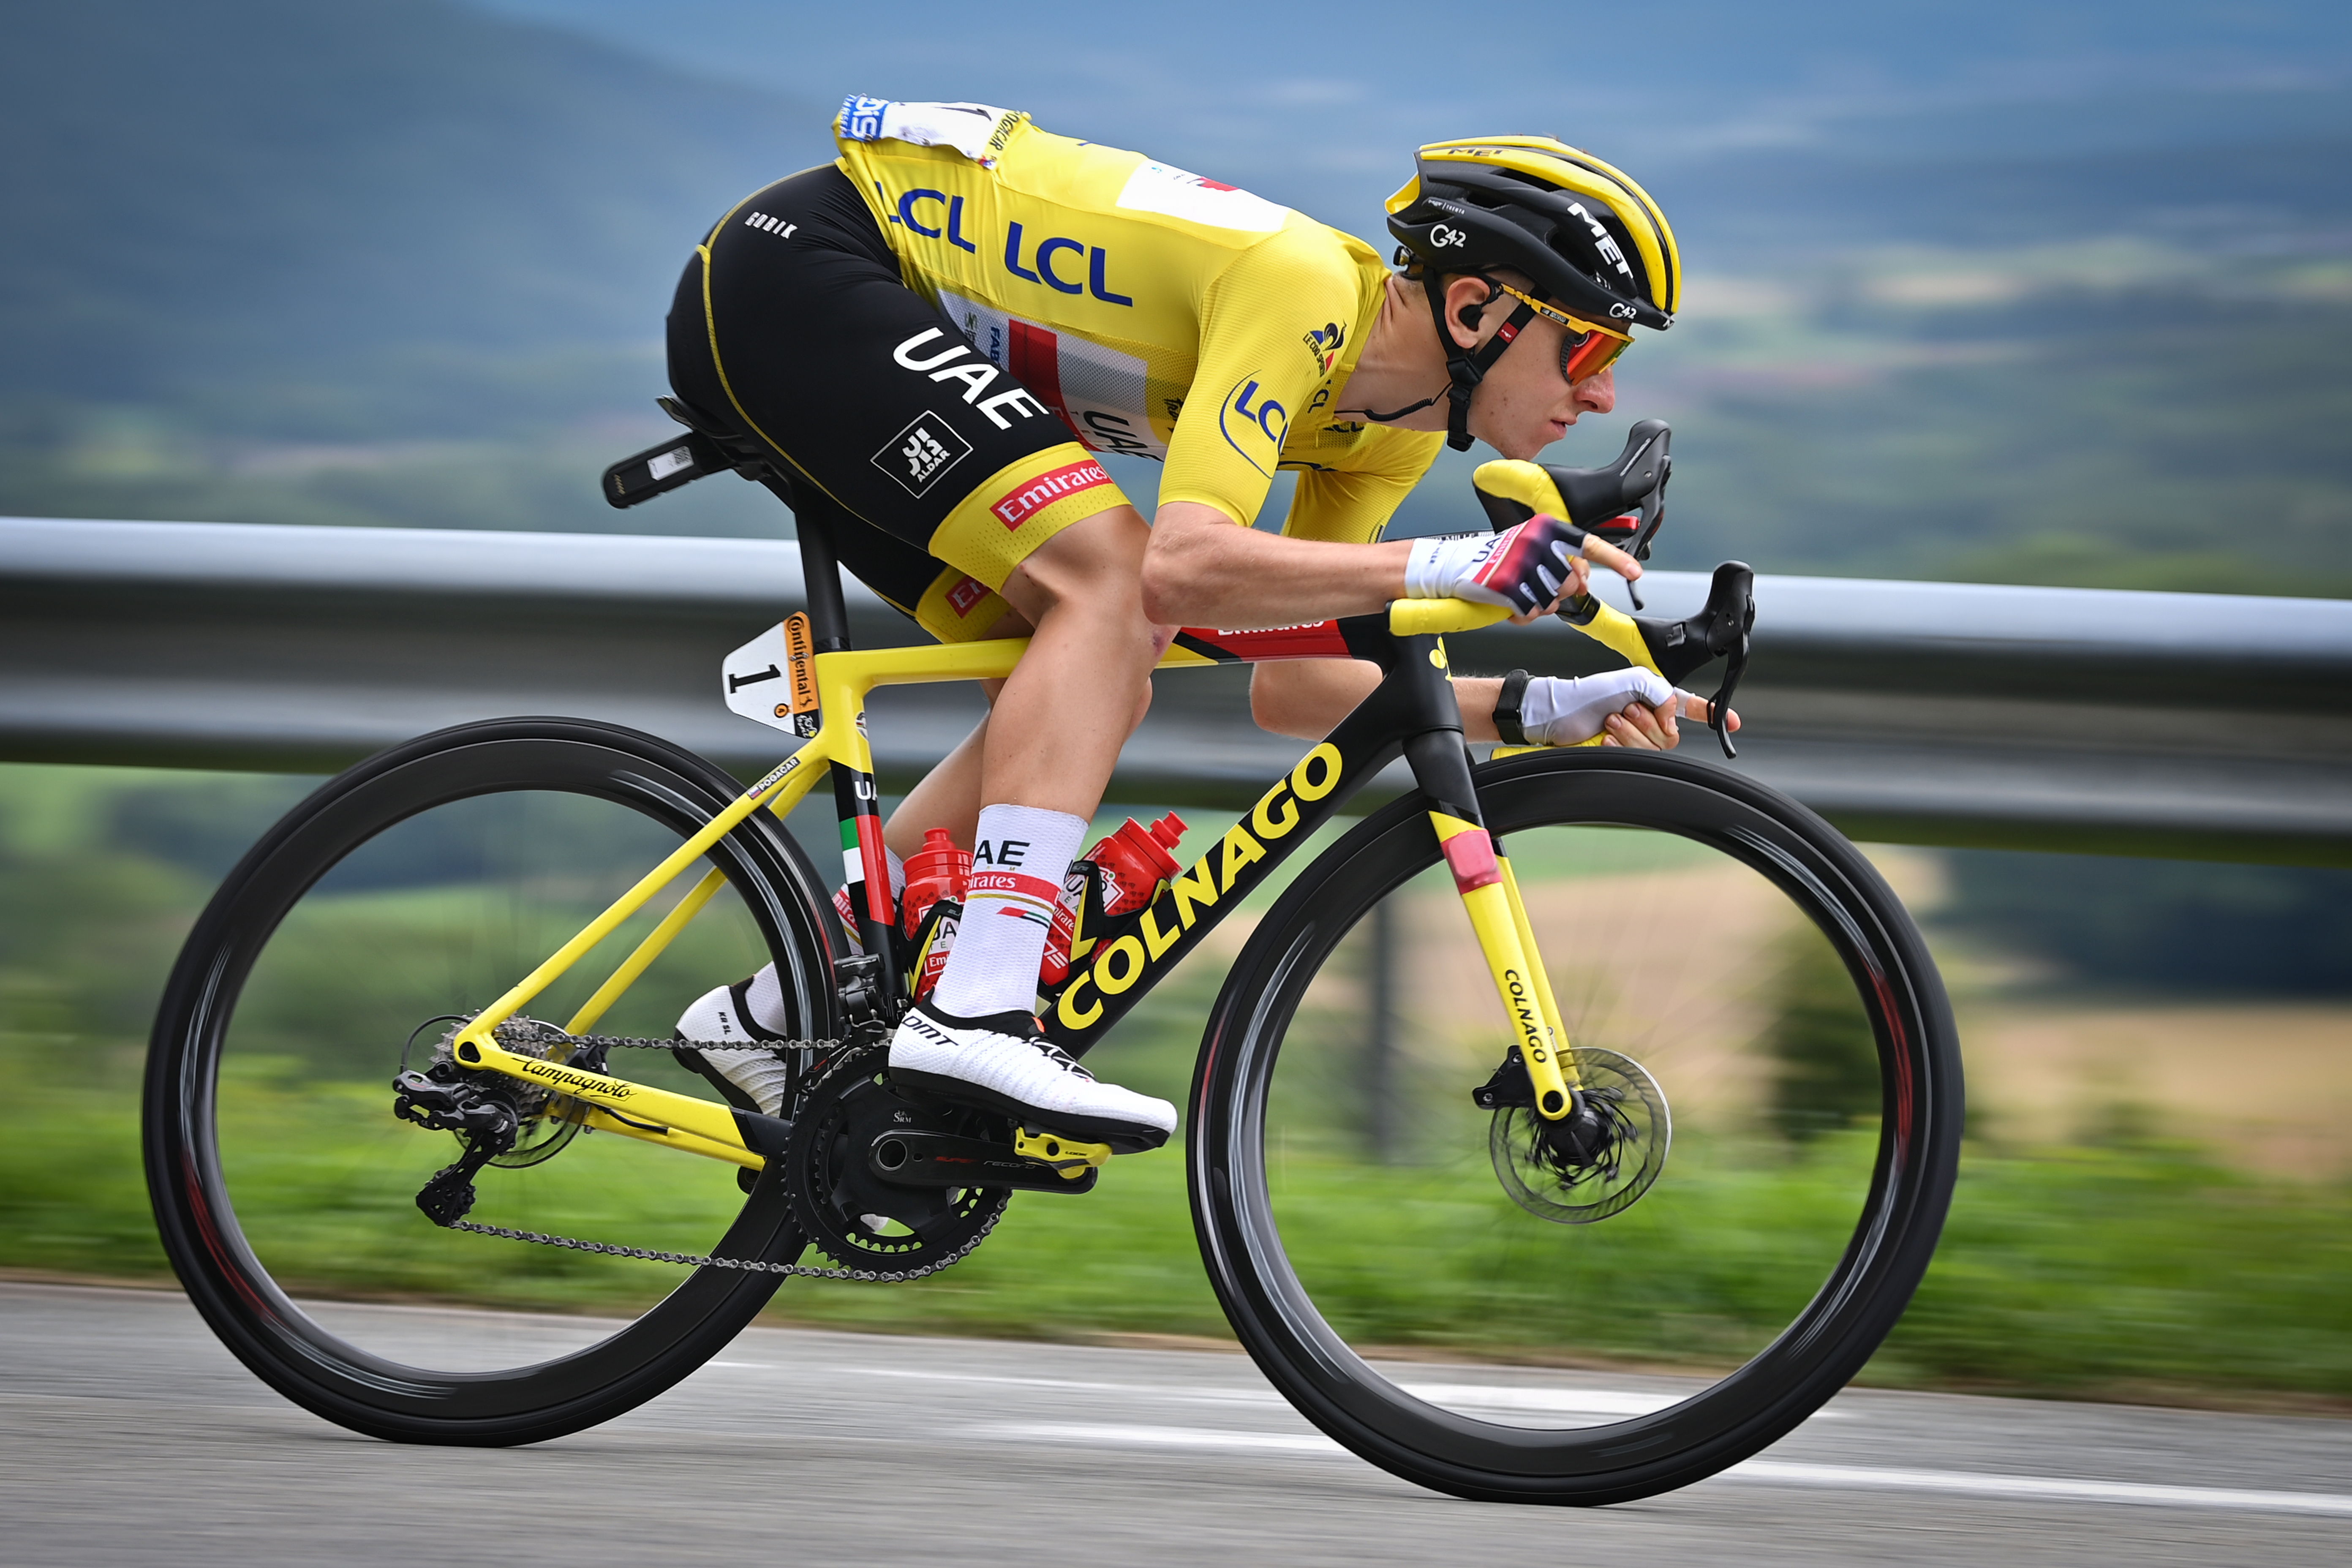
[
  {"x": 1775, "y": 1086},
  {"x": 404, "y": 894}
]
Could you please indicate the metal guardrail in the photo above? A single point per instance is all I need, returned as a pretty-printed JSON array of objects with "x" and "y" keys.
[{"x": 2157, "y": 723}]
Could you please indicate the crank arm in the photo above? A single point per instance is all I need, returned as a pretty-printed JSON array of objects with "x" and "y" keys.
[{"x": 915, "y": 1159}]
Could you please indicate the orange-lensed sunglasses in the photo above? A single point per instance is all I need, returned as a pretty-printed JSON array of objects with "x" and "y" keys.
[{"x": 1587, "y": 349}]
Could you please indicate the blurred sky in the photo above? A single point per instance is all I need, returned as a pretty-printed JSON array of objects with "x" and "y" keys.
[{"x": 1314, "y": 105}]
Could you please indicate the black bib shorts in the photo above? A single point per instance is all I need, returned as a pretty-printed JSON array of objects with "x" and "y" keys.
[{"x": 935, "y": 472}]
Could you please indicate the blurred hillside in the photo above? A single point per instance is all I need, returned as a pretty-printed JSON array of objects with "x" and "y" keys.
[
  {"x": 382, "y": 261},
  {"x": 2029, "y": 292}
]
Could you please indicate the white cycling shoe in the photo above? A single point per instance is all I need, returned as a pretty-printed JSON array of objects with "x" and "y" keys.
[
  {"x": 1001, "y": 1063},
  {"x": 730, "y": 1015}
]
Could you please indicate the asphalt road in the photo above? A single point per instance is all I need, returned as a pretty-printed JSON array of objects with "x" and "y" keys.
[{"x": 128, "y": 1435}]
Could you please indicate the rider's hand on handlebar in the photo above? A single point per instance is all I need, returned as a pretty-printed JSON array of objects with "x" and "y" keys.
[
  {"x": 1642, "y": 728},
  {"x": 1528, "y": 568}
]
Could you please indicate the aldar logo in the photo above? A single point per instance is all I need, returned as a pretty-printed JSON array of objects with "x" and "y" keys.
[{"x": 917, "y": 456}]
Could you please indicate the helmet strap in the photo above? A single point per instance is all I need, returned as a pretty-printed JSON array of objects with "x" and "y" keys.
[{"x": 1466, "y": 368}]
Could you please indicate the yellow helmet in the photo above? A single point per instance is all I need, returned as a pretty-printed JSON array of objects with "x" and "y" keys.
[{"x": 1591, "y": 237}]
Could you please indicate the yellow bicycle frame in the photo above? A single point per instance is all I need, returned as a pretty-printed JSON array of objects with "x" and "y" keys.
[{"x": 844, "y": 680}]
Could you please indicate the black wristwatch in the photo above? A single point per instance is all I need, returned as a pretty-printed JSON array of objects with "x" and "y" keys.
[{"x": 1506, "y": 709}]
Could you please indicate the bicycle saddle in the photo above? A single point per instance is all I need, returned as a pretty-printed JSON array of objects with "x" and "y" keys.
[{"x": 707, "y": 449}]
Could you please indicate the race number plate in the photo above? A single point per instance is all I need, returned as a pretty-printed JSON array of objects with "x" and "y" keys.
[{"x": 772, "y": 678}]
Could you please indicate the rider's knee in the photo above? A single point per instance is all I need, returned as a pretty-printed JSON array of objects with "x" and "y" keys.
[{"x": 1094, "y": 567}]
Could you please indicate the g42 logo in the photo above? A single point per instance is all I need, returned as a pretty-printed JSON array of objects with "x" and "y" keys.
[{"x": 1445, "y": 234}]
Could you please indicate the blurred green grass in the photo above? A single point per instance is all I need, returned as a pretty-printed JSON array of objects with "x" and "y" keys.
[
  {"x": 2134, "y": 1271},
  {"x": 2123, "y": 1267}
]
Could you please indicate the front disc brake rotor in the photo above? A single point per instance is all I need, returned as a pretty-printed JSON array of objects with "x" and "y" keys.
[
  {"x": 1590, "y": 1163},
  {"x": 855, "y": 1216}
]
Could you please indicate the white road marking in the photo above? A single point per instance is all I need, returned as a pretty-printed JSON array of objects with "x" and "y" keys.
[
  {"x": 2142, "y": 1493},
  {"x": 1067, "y": 1385},
  {"x": 1770, "y": 1471},
  {"x": 1240, "y": 1396},
  {"x": 1171, "y": 1437},
  {"x": 1451, "y": 1395}
]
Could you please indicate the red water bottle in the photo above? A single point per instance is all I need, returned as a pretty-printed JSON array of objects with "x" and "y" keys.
[
  {"x": 1135, "y": 861},
  {"x": 1132, "y": 861},
  {"x": 935, "y": 874}
]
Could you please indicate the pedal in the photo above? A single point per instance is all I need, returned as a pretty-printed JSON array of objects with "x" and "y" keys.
[
  {"x": 917, "y": 1159},
  {"x": 1066, "y": 1155}
]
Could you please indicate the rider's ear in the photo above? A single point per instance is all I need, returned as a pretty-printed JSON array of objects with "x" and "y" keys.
[{"x": 1471, "y": 310}]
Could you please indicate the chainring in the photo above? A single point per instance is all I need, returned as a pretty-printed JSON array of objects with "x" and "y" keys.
[
  {"x": 852, "y": 1216},
  {"x": 1589, "y": 1165}
]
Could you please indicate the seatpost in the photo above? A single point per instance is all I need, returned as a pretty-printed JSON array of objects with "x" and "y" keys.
[
  {"x": 856, "y": 800},
  {"x": 820, "y": 571}
]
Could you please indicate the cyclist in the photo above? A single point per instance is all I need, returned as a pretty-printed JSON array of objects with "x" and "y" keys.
[{"x": 937, "y": 333}]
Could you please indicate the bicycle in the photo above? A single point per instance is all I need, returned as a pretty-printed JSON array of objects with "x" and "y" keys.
[{"x": 379, "y": 926}]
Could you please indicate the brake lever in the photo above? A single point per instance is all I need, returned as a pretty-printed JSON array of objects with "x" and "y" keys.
[
  {"x": 1646, "y": 467},
  {"x": 1632, "y": 485},
  {"x": 1731, "y": 617},
  {"x": 1719, "y": 705},
  {"x": 1679, "y": 649}
]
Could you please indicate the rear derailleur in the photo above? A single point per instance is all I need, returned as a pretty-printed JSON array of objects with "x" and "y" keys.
[{"x": 444, "y": 1099}]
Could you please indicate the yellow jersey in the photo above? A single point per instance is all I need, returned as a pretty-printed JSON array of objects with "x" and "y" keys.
[{"x": 1159, "y": 313}]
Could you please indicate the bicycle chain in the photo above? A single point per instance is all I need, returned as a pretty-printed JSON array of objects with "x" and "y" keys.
[
  {"x": 697, "y": 1260},
  {"x": 525, "y": 1033}
]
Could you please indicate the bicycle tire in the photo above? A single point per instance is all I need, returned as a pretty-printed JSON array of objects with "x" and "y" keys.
[
  {"x": 1734, "y": 1415},
  {"x": 254, "y": 1315}
]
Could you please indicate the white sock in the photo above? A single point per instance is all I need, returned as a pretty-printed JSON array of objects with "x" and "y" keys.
[
  {"x": 1017, "y": 865},
  {"x": 764, "y": 1000}
]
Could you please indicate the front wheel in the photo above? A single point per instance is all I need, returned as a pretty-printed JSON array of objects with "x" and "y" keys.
[
  {"x": 403, "y": 896},
  {"x": 1714, "y": 947}
]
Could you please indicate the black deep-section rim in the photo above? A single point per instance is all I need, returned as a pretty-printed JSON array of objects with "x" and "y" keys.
[
  {"x": 227, "y": 1282},
  {"x": 1810, "y": 1360}
]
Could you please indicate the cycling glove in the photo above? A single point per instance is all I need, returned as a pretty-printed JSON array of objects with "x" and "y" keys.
[
  {"x": 1561, "y": 711},
  {"x": 1523, "y": 567}
]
